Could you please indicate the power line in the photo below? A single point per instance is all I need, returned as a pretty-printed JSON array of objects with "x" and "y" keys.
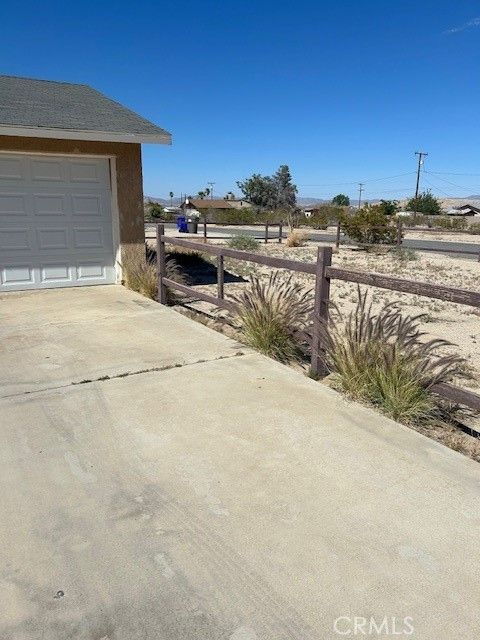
[
  {"x": 342, "y": 184},
  {"x": 448, "y": 181},
  {"x": 446, "y": 173},
  {"x": 438, "y": 188}
]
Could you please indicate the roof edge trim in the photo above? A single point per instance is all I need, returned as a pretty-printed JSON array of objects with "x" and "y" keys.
[{"x": 77, "y": 134}]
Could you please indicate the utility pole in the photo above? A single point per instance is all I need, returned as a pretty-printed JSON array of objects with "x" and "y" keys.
[
  {"x": 360, "y": 189},
  {"x": 211, "y": 185},
  {"x": 421, "y": 155}
]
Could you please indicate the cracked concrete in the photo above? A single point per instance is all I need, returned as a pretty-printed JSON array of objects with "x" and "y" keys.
[{"x": 227, "y": 499}]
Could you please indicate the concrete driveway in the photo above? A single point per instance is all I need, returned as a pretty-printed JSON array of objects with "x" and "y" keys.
[{"x": 204, "y": 492}]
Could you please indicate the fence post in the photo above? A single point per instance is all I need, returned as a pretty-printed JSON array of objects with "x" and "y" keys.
[
  {"x": 220, "y": 276},
  {"x": 205, "y": 228},
  {"x": 320, "y": 311},
  {"x": 161, "y": 265},
  {"x": 337, "y": 237},
  {"x": 399, "y": 232},
  {"x": 266, "y": 232},
  {"x": 280, "y": 231}
]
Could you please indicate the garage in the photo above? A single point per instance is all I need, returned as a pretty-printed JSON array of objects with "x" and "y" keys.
[
  {"x": 71, "y": 193},
  {"x": 55, "y": 222}
]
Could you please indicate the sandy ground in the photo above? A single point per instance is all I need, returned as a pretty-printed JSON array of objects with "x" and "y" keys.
[{"x": 456, "y": 323}]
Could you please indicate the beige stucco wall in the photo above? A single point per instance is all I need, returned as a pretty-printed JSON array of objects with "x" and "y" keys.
[{"x": 129, "y": 174}]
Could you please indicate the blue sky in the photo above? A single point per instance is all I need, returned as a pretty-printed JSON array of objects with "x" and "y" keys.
[{"x": 341, "y": 91}]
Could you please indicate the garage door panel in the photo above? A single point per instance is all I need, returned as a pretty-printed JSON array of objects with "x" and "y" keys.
[
  {"x": 93, "y": 270},
  {"x": 55, "y": 222},
  {"x": 47, "y": 169},
  {"x": 13, "y": 276},
  {"x": 88, "y": 238},
  {"x": 87, "y": 205},
  {"x": 12, "y": 168},
  {"x": 48, "y": 239},
  {"x": 60, "y": 272},
  {"x": 13, "y": 204},
  {"x": 87, "y": 172},
  {"x": 47, "y": 204},
  {"x": 13, "y": 240}
]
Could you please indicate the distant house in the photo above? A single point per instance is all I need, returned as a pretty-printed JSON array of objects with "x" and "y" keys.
[
  {"x": 464, "y": 210},
  {"x": 204, "y": 205}
]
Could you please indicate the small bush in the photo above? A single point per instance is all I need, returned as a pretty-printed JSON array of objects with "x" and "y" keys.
[
  {"x": 385, "y": 360},
  {"x": 318, "y": 220},
  {"x": 404, "y": 254},
  {"x": 297, "y": 238},
  {"x": 271, "y": 312},
  {"x": 474, "y": 228},
  {"x": 243, "y": 242},
  {"x": 369, "y": 226}
]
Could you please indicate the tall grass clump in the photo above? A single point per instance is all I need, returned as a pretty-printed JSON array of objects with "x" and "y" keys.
[
  {"x": 243, "y": 242},
  {"x": 297, "y": 238},
  {"x": 384, "y": 359},
  {"x": 140, "y": 271},
  {"x": 270, "y": 313}
]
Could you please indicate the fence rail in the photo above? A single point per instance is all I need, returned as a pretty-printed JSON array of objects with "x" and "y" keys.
[{"x": 324, "y": 273}]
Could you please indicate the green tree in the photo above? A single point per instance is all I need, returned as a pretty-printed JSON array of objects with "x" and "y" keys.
[
  {"x": 155, "y": 210},
  {"x": 201, "y": 195},
  {"x": 341, "y": 200},
  {"x": 259, "y": 190},
  {"x": 270, "y": 192},
  {"x": 426, "y": 203},
  {"x": 286, "y": 191},
  {"x": 389, "y": 207}
]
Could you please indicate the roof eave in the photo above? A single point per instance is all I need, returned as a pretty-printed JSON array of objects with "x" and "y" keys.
[{"x": 77, "y": 134}]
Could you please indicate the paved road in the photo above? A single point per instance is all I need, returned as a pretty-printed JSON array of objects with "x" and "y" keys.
[
  {"x": 161, "y": 482},
  {"x": 437, "y": 246}
]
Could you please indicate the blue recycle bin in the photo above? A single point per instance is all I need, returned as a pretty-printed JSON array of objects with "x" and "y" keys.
[{"x": 182, "y": 224}]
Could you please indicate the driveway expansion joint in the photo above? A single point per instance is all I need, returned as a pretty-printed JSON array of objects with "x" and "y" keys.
[{"x": 125, "y": 374}]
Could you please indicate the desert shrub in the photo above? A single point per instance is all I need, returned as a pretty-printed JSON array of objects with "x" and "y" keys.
[
  {"x": 448, "y": 222},
  {"x": 232, "y": 216},
  {"x": 271, "y": 312},
  {"x": 416, "y": 220},
  {"x": 243, "y": 242},
  {"x": 370, "y": 225},
  {"x": 404, "y": 254},
  {"x": 140, "y": 271},
  {"x": 384, "y": 359},
  {"x": 474, "y": 228},
  {"x": 297, "y": 238},
  {"x": 318, "y": 220}
]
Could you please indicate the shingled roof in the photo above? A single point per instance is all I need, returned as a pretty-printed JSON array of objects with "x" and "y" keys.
[
  {"x": 209, "y": 203},
  {"x": 48, "y": 109}
]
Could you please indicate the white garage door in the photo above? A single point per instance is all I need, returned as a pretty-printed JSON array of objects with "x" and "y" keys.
[{"x": 55, "y": 222}]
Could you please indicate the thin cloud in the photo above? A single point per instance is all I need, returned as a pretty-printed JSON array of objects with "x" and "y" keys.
[{"x": 471, "y": 24}]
